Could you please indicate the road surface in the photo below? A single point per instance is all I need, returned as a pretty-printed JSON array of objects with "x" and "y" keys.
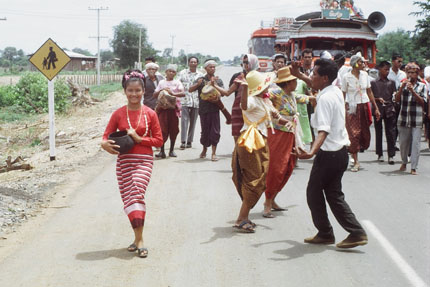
[{"x": 192, "y": 205}]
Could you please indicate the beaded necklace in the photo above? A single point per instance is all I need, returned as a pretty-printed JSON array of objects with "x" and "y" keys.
[{"x": 140, "y": 116}]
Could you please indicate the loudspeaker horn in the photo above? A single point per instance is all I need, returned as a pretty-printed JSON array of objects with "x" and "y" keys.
[{"x": 376, "y": 20}]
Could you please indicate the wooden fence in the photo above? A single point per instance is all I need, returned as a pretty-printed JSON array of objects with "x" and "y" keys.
[{"x": 92, "y": 79}]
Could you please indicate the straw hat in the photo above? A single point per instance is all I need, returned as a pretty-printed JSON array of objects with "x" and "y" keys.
[
  {"x": 258, "y": 82},
  {"x": 284, "y": 75}
]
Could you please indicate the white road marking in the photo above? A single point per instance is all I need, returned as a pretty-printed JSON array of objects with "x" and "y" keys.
[{"x": 404, "y": 267}]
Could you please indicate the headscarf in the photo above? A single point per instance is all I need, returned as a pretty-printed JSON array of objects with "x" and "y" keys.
[
  {"x": 326, "y": 55},
  {"x": 253, "y": 62},
  {"x": 354, "y": 59},
  {"x": 151, "y": 65},
  {"x": 209, "y": 62},
  {"x": 172, "y": 67}
]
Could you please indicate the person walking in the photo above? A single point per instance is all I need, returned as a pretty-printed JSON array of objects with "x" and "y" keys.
[
  {"x": 412, "y": 99},
  {"x": 134, "y": 168},
  {"x": 357, "y": 92},
  {"x": 250, "y": 160},
  {"x": 190, "y": 103},
  {"x": 208, "y": 111},
  {"x": 169, "y": 117},
  {"x": 249, "y": 63},
  {"x": 330, "y": 163},
  {"x": 151, "y": 82},
  {"x": 383, "y": 89},
  {"x": 282, "y": 138}
]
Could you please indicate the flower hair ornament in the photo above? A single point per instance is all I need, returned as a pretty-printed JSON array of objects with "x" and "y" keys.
[{"x": 134, "y": 74}]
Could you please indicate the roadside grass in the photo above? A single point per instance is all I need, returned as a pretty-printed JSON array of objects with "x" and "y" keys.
[
  {"x": 101, "y": 92},
  {"x": 11, "y": 114}
]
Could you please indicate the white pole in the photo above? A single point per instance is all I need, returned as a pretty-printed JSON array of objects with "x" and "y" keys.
[
  {"x": 139, "y": 60},
  {"x": 98, "y": 47},
  {"x": 51, "y": 108}
]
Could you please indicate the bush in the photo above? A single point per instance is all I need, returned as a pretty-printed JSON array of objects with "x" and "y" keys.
[
  {"x": 32, "y": 91},
  {"x": 8, "y": 95}
]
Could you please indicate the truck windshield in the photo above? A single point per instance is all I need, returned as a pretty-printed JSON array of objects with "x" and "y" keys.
[
  {"x": 334, "y": 46},
  {"x": 263, "y": 46}
]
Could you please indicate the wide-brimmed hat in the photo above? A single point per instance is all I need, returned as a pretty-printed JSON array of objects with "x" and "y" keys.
[
  {"x": 284, "y": 75},
  {"x": 258, "y": 82},
  {"x": 123, "y": 140}
]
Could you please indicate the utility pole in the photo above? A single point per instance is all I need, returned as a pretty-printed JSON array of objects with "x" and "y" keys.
[
  {"x": 98, "y": 39},
  {"x": 186, "y": 52},
  {"x": 139, "y": 60},
  {"x": 171, "y": 55}
]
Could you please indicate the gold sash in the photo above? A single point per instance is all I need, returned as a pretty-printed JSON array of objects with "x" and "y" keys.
[{"x": 252, "y": 139}]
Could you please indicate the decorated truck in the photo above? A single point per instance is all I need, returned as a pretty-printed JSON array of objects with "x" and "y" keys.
[{"x": 339, "y": 27}]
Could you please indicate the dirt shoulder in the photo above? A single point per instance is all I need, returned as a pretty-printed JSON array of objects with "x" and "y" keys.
[{"x": 23, "y": 194}]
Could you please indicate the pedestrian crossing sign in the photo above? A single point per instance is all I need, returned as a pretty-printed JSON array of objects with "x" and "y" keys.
[{"x": 50, "y": 59}]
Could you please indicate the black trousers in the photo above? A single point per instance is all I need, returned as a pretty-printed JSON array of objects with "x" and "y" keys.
[
  {"x": 390, "y": 135},
  {"x": 325, "y": 183}
]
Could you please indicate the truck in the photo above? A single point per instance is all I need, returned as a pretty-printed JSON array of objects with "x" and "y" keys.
[
  {"x": 262, "y": 44},
  {"x": 342, "y": 30}
]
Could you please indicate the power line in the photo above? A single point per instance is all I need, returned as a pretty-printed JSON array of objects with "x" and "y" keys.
[{"x": 98, "y": 39}]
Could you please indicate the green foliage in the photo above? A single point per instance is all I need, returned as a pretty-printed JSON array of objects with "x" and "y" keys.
[
  {"x": 82, "y": 51},
  {"x": 11, "y": 57},
  {"x": 422, "y": 29},
  {"x": 398, "y": 42},
  {"x": 8, "y": 95},
  {"x": 11, "y": 114},
  {"x": 32, "y": 91},
  {"x": 125, "y": 43},
  {"x": 101, "y": 92}
]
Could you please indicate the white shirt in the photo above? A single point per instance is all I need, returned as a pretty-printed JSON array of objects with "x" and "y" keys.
[
  {"x": 397, "y": 78},
  {"x": 329, "y": 116},
  {"x": 256, "y": 111},
  {"x": 355, "y": 89},
  {"x": 427, "y": 72},
  {"x": 340, "y": 74}
]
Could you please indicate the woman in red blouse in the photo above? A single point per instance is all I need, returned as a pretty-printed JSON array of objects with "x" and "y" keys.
[{"x": 134, "y": 167}]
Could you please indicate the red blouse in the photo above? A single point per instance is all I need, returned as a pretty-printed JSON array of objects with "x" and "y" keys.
[{"x": 118, "y": 121}]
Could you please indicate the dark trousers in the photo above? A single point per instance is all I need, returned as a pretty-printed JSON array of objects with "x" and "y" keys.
[
  {"x": 211, "y": 129},
  {"x": 326, "y": 181},
  {"x": 390, "y": 133}
]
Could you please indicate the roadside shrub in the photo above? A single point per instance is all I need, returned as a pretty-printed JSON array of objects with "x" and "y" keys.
[
  {"x": 32, "y": 91},
  {"x": 8, "y": 95}
]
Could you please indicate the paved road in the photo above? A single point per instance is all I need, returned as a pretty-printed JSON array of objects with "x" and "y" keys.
[{"x": 192, "y": 205}]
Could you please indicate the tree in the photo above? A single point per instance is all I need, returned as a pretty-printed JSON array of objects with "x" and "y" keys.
[
  {"x": 82, "y": 51},
  {"x": 422, "y": 29},
  {"x": 125, "y": 43},
  {"x": 398, "y": 42},
  {"x": 106, "y": 55}
]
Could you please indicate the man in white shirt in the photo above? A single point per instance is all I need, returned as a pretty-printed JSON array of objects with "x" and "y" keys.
[
  {"x": 396, "y": 74},
  {"x": 331, "y": 161}
]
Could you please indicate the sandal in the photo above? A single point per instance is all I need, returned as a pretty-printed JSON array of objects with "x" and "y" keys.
[
  {"x": 132, "y": 248},
  {"x": 268, "y": 215},
  {"x": 355, "y": 168},
  {"x": 241, "y": 227},
  {"x": 279, "y": 209},
  {"x": 142, "y": 252}
]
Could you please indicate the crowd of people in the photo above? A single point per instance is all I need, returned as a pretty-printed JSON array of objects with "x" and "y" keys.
[{"x": 324, "y": 103}]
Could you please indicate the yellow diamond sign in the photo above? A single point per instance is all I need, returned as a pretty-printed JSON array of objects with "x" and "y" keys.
[{"x": 50, "y": 59}]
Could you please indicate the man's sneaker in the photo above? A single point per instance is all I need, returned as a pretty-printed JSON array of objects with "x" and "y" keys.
[
  {"x": 319, "y": 240},
  {"x": 381, "y": 158},
  {"x": 352, "y": 241},
  {"x": 182, "y": 146},
  {"x": 188, "y": 145},
  {"x": 390, "y": 160}
]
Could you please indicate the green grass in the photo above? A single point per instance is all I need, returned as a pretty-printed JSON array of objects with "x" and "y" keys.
[
  {"x": 10, "y": 114},
  {"x": 101, "y": 92}
]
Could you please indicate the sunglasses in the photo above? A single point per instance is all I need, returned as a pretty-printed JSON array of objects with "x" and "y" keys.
[{"x": 245, "y": 62}]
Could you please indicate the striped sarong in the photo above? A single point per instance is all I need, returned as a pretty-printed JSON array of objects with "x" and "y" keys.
[{"x": 133, "y": 173}]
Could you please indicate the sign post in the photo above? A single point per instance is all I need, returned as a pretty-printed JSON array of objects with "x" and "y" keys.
[
  {"x": 50, "y": 59},
  {"x": 51, "y": 107}
]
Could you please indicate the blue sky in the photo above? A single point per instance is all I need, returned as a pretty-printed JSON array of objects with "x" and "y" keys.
[{"x": 220, "y": 28}]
